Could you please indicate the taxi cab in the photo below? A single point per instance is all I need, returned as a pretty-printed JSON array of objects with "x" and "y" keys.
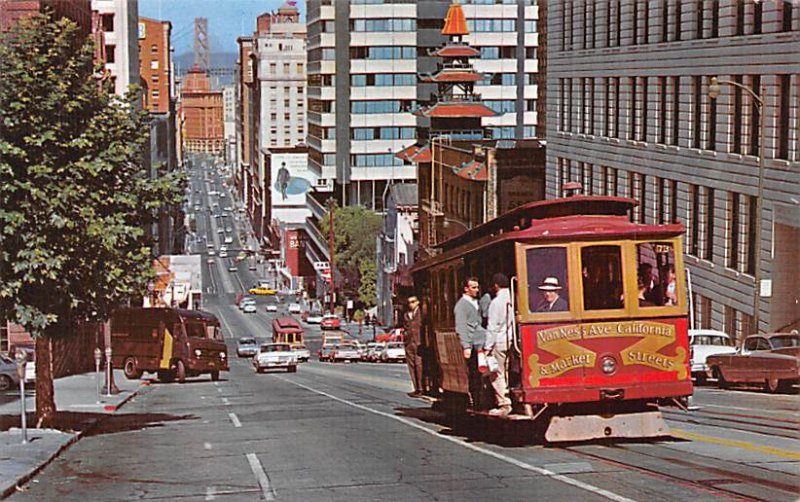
[{"x": 261, "y": 290}]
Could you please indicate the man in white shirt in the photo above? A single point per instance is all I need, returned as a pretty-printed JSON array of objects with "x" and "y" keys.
[{"x": 498, "y": 338}]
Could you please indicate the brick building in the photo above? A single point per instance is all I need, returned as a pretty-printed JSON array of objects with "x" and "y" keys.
[{"x": 202, "y": 111}]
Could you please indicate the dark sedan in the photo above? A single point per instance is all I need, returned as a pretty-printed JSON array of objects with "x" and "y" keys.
[{"x": 771, "y": 360}]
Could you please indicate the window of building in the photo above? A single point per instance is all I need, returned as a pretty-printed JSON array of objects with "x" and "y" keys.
[
  {"x": 758, "y": 13},
  {"x": 750, "y": 245},
  {"x": 591, "y": 106},
  {"x": 616, "y": 85},
  {"x": 677, "y": 19},
  {"x": 646, "y": 22},
  {"x": 286, "y": 68},
  {"x": 738, "y": 110},
  {"x": 740, "y": 13},
  {"x": 618, "y": 22},
  {"x": 734, "y": 221},
  {"x": 582, "y": 106},
  {"x": 154, "y": 49},
  {"x": 785, "y": 91},
  {"x": 530, "y": 105},
  {"x": 755, "y": 114},
  {"x": 697, "y": 111},
  {"x": 664, "y": 21},
  {"x": 711, "y": 136},
  {"x": 107, "y": 21},
  {"x": 643, "y": 106},
  {"x": 607, "y": 106},
  {"x": 155, "y": 94},
  {"x": 714, "y": 18},
  {"x": 273, "y": 68},
  {"x": 676, "y": 107},
  {"x": 661, "y": 201},
  {"x": 662, "y": 110},
  {"x": 154, "y": 78},
  {"x": 787, "y": 12},
  {"x": 632, "y": 115},
  {"x": 608, "y": 23},
  {"x": 693, "y": 235},
  {"x": 111, "y": 53},
  {"x": 708, "y": 248},
  {"x": 562, "y": 104},
  {"x": 635, "y": 22},
  {"x": 699, "y": 13}
]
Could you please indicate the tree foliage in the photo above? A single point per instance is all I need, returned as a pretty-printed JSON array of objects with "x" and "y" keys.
[
  {"x": 74, "y": 197},
  {"x": 355, "y": 231}
]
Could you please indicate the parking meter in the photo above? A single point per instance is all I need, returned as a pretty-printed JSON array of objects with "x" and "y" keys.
[
  {"x": 98, "y": 358},
  {"x": 108, "y": 371},
  {"x": 21, "y": 358}
]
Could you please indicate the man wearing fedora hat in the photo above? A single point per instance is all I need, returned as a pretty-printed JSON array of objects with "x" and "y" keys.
[{"x": 551, "y": 300}]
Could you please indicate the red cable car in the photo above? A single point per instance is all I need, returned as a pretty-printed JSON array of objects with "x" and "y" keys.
[{"x": 597, "y": 360}]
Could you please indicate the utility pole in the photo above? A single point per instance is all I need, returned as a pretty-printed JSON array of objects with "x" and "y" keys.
[{"x": 331, "y": 208}]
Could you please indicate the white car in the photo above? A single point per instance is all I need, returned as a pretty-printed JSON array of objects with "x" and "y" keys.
[
  {"x": 315, "y": 318},
  {"x": 703, "y": 343},
  {"x": 246, "y": 301},
  {"x": 222, "y": 253},
  {"x": 347, "y": 352},
  {"x": 249, "y": 308},
  {"x": 302, "y": 353},
  {"x": 294, "y": 308},
  {"x": 275, "y": 355},
  {"x": 272, "y": 307},
  {"x": 228, "y": 239},
  {"x": 394, "y": 352}
]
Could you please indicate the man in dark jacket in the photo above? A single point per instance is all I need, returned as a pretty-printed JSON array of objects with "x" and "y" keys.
[{"x": 413, "y": 326}]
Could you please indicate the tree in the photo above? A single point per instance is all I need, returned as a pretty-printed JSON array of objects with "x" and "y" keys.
[
  {"x": 355, "y": 231},
  {"x": 74, "y": 199}
]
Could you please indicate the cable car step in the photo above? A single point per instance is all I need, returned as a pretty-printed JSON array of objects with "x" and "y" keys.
[{"x": 624, "y": 425}]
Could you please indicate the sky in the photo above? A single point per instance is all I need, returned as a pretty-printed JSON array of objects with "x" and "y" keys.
[{"x": 227, "y": 19}]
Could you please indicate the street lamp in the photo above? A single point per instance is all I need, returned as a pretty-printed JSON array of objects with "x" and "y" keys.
[
  {"x": 713, "y": 93},
  {"x": 450, "y": 221}
]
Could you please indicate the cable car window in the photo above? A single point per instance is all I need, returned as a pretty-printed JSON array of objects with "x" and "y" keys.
[
  {"x": 656, "y": 281},
  {"x": 548, "y": 287},
  {"x": 601, "y": 270}
]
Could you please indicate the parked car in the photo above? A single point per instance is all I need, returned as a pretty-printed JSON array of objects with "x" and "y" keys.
[
  {"x": 246, "y": 301},
  {"x": 314, "y": 318},
  {"x": 302, "y": 353},
  {"x": 324, "y": 353},
  {"x": 260, "y": 290},
  {"x": 331, "y": 321},
  {"x": 271, "y": 307},
  {"x": 275, "y": 355},
  {"x": 247, "y": 347},
  {"x": 369, "y": 352},
  {"x": 346, "y": 352},
  {"x": 223, "y": 254},
  {"x": 772, "y": 360},
  {"x": 228, "y": 239},
  {"x": 294, "y": 308},
  {"x": 703, "y": 343},
  {"x": 249, "y": 308},
  {"x": 393, "y": 352},
  {"x": 8, "y": 373}
]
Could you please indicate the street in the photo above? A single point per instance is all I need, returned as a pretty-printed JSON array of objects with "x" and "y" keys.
[{"x": 349, "y": 432}]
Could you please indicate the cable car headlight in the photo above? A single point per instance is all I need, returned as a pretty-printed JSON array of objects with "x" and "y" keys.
[
  {"x": 609, "y": 365},
  {"x": 198, "y": 352}
]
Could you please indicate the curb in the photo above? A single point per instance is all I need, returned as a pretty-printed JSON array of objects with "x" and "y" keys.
[{"x": 24, "y": 479}]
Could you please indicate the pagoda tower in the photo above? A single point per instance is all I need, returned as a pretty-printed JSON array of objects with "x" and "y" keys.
[{"x": 451, "y": 184}]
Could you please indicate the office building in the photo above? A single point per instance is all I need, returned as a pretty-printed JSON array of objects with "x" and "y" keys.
[{"x": 634, "y": 112}]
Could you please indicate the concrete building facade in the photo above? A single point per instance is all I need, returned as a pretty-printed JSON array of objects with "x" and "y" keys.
[
  {"x": 280, "y": 47},
  {"x": 119, "y": 21},
  {"x": 631, "y": 114}
]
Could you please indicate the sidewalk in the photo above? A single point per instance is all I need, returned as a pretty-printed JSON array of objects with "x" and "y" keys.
[{"x": 76, "y": 395}]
